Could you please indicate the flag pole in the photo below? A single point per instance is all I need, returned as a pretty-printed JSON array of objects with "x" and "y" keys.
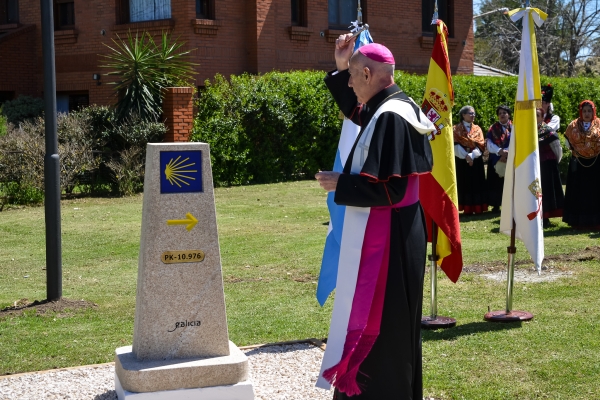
[
  {"x": 435, "y": 321},
  {"x": 508, "y": 314}
]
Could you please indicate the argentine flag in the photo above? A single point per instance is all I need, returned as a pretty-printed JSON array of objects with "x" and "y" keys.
[{"x": 331, "y": 253}]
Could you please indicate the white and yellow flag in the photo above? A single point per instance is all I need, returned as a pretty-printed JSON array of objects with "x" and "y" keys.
[{"x": 522, "y": 195}]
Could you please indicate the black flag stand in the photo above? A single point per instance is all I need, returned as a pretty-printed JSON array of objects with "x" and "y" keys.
[
  {"x": 509, "y": 315},
  {"x": 434, "y": 321}
]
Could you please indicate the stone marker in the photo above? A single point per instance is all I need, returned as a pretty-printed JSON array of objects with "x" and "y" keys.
[{"x": 180, "y": 338}]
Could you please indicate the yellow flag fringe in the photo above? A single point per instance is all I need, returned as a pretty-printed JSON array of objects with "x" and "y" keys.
[{"x": 528, "y": 104}]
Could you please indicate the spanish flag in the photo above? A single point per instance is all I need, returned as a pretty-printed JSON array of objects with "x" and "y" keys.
[
  {"x": 522, "y": 194},
  {"x": 438, "y": 193}
]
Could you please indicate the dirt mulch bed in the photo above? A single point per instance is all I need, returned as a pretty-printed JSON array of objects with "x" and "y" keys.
[
  {"x": 44, "y": 306},
  {"x": 556, "y": 261}
]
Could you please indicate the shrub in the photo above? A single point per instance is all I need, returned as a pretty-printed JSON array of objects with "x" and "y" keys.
[
  {"x": 133, "y": 131},
  {"x": 23, "y": 108},
  {"x": 143, "y": 69},
  {"x": 282, "y": 126},
  {"x": 128, "y": 140},
  {"x": 22, "y": 153},
  {"x": 100, "y": 120},
  {"x": 276, "y": 127},
  {"x": 3, "y": 124},
  {"x": 128, "y": 170}
]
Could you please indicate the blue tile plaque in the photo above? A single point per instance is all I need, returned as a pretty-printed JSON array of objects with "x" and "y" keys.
[{"x": 181, "y": 171}]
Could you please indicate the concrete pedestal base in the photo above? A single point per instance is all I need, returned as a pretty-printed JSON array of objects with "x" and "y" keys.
[
  {"x": 239, "y": 391},
  {"x": 160, "y": 375}
]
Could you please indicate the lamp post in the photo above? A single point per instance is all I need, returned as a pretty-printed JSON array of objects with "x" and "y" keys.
[{"x": 51, "y": 161}]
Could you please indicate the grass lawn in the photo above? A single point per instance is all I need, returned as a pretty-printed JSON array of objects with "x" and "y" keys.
[{"x": 271, "y": 242}]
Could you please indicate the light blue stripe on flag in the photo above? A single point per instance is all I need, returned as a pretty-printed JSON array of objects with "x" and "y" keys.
[
  {"x": 363, "y": 38},
  {"x": 331, "y": 253}
]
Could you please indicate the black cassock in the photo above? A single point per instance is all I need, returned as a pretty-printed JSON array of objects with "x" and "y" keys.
[{"x": 393, "y": 368}]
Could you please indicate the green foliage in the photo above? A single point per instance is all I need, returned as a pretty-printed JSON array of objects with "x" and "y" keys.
[
  {"x": 15, "y": 193},
  {"x": 128, "y": 140},
  {"x": 22, "y": 153},
  {"x": 133, "y": 131},
  {"x": 100, "y": 118},
  {"x": 285, "y": 126},
  {"x": 269, "y": 128},
  {"x": 22, "y": 108},
  {"x": 128, "y": 170},
  {"x": 3, "y": 124},
  {"x": 143, "y": 69}
]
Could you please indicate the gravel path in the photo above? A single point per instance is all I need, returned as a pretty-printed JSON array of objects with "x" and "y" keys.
[{"x": 278, "y": 372}]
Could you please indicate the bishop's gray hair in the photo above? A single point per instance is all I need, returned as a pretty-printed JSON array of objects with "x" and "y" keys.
[{"x": 465, "y": 110}]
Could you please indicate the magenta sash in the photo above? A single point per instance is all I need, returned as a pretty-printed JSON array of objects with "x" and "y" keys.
[{"x": 367, "y": 305}]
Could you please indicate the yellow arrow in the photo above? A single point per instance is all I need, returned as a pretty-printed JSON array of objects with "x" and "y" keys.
[{"x": 190, "y": 222}]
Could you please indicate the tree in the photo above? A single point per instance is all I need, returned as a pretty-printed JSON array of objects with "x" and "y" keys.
[
  {"x": 580, "y": 27},
  {"x": 566, "y": 38},
  {"x": 144, "y": 69}
]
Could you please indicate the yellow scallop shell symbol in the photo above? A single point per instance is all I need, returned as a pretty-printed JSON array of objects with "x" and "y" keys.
[{"x": 176, "y": 173}]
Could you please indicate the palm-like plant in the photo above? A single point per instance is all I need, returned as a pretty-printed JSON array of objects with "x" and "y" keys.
[{"x": 144, "y": 69}]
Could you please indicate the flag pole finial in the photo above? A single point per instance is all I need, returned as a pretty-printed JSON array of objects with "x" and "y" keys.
[
  {"x": 357, "y": 26},
  {"x": 435, "y": 13},
  {"x": 359, "y": 13}
]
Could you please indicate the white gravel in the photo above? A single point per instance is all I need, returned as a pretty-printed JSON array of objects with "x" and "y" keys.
[
  {"x": 530, "y": 275},
  {"x": 277, "y": 373}
]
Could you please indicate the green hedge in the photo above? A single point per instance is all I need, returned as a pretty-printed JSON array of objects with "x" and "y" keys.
[
  {"x": 285, "y": 126},
  {"x": 275, "y": 127}
]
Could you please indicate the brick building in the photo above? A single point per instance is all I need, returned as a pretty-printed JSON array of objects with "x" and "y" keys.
[{"x": 229, "y": 37}]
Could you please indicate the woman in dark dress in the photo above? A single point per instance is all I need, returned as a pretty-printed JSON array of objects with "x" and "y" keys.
[
  {"x": 582, "y": 194},
  {"x": 498, "y": 138},
  {"x": 469, "y": 145},
  {"x": 550, "y": 154}
]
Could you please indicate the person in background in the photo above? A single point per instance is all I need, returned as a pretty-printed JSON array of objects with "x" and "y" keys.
[
  {"x": 553, "y": 121},
  {"x": 582, "y": 194},
  {"x": 550, "y": 154},
  {"x": 498, "y": 138},
  {"x": 469, "y": 145}
]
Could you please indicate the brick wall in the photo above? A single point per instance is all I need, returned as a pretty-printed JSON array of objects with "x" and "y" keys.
[
  {"x": 177, "y": 114},
  {"x": 246, "y": 36}
]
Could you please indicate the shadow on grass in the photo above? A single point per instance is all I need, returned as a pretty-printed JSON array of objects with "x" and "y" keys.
[
  {"x": 468, "y": 329},
  {"x": 478, "y": 217}
]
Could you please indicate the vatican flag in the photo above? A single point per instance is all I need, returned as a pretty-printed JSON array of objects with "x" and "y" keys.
[{"x": 522, "y": 195}]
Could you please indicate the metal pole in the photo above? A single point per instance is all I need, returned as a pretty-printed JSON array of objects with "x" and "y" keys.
[
  {"x": 433, "y": 258},
  {"x": 511, "y": 269},
  {"x": 51, "y": 160}
]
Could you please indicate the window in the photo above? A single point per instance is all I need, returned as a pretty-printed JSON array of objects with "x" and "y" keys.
[
  {"x": 299, "y": 13},
  {"x": 445, "y": 13},
  {"x": 342, "y": 13},
  {"x": 149, "y": 10},
  {"x": 67, "y": 102},
  {"x": 9, "y": 12},
  {"x": 205, "y": 9},
  {"x": 64, "y": 14}
]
